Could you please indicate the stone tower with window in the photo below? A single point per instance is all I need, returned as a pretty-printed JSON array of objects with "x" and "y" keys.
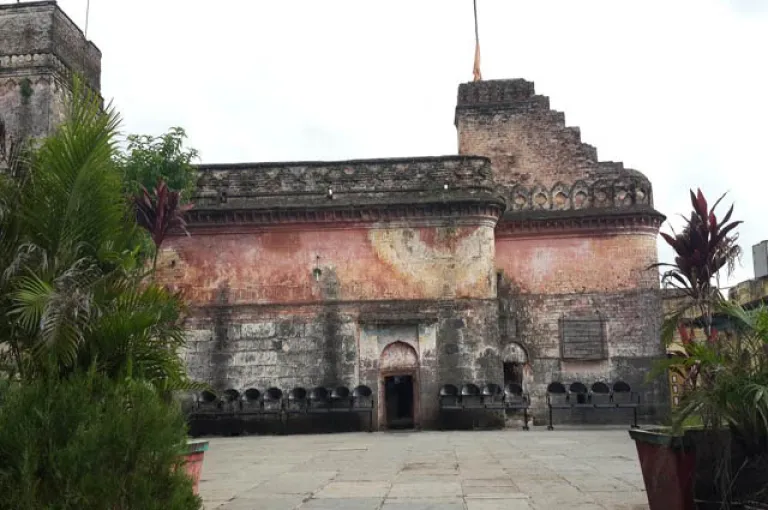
[{"x": 40, "y": 50}]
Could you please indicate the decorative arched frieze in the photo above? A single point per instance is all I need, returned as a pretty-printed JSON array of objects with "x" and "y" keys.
[
  {"x": 623, "y": 193},
  {"x": 602, "y": 194},
  {"x": 540, "y": 199},
  {"x": 521, "y": 198},
  {"x": 561, "y": 197},
  {"x": 580, "y": 195}
]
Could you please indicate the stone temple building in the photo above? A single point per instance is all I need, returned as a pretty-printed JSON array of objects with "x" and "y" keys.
[{"x": 521, "y": 258}]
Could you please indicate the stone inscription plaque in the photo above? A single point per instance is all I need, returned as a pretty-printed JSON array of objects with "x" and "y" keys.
[{"x": 582, "y": 339}]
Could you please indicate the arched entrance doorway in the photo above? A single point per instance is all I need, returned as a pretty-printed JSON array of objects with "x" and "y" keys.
[
  {"x": 517, "y": 368},
  {"x": 398, "y": 387}
]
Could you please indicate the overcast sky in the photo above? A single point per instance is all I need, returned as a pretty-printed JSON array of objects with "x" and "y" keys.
[{"x": 677, "y": 89}]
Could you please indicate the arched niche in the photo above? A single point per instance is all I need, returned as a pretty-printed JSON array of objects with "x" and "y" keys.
[
  {"x": 514, "y": 353},
  {"x": 398, "y": 356}
]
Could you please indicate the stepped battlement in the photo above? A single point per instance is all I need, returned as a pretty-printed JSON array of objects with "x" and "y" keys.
[{"x": 539, "y": 161}]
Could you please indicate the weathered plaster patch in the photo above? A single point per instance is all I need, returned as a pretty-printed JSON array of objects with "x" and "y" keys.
[{"x": 456, "y": 266}]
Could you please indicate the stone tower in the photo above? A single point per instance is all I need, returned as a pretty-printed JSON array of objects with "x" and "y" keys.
[
  {"x": 40, "y": 49},
  {"x": 574, "y": 247}
]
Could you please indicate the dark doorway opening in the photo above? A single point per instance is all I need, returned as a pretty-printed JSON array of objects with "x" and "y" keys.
[
  {"x": 513, "y": 373},
  {"x": 398, "y": 397}
]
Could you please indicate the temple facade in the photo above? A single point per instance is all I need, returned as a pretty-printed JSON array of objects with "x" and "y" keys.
[{"x": 523, "y": 258}]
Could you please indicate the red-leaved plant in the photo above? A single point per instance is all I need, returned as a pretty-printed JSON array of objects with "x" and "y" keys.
[
  {"x": 705, "y": 246},
  {"x": 160, "y": 212}
]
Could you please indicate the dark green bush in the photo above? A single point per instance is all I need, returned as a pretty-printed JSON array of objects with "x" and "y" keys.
[{"x": 90, "y": 443}]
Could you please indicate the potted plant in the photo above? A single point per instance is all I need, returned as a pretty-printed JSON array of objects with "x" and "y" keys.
[
  {"x": 193, "y": 461},
  {"x": 721, "y": 462}
]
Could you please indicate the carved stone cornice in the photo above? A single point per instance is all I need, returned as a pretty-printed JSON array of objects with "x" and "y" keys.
[
  {"x": 467, "y": 212},
  {"x": 35, "y": 67},
  {"x": 639, "y": 220},
  {"x": 47, "y": 61}
]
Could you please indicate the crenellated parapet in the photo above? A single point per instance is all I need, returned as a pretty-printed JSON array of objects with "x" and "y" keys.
[
  {"x": 539, "y": 163},
  {"x": 493, "y": 96},
  {"x": 347, "y": 191}
]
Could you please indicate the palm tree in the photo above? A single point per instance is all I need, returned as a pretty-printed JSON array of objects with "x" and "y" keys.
[{"x": 72, "y": 289}]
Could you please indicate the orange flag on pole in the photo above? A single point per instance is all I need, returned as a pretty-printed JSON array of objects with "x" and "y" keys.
[{"x": 476, "y": 70}]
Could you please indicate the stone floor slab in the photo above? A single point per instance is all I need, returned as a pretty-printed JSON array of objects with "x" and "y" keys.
[
  {"x": 425, "y": 490},
  {"x": 292, "y": 483},
  {"x": 569, "y": 468},
  {"x": 494, "y": 492},
  {"x": 424, "y": 504},
  {"x": 356, "y": 489},
  {"x": 499, "y": 504},
  {"x": 342, "y": 504},
  {"x": 266, "y": 503},
  {"x": 487, "y": 482}
]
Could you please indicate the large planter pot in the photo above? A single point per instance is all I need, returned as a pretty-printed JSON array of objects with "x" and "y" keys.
[
  {"x": 193, "y": 461},
  {"x": 686, "y": 472},
  {"x": 668, "y": 464}
]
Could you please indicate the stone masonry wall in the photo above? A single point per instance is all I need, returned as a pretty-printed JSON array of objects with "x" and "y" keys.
[
  {"x": 632, "y": 322},
  {"x": 296, "y": 266},
  {"x": 243, "y": 346},
  {"x": 547, "y": 278},
  {"x": 606, "y": 262},
  {"x": 527, "y": 142}
]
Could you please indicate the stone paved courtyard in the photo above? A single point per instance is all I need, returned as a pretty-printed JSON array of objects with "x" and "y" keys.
[{"x": 569, "y": 468}]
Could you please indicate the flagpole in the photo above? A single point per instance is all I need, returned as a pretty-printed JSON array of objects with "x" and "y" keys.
[
  {"x": 476, "y": 69},
  {"x": 88, "y": 12}
]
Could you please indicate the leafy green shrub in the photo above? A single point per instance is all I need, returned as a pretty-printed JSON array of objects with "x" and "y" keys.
[
  {"x": 87, "y": 442},
  {"x": 149, "y": 158}
]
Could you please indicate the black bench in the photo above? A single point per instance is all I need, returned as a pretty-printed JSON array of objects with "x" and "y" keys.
[
  {"x": 227, "y": 422},
  {"x": 493, "y": 397},
  {"x": 207, "y": 402},
  {"x": 470, "y": 399},
  {"x": 624, "y": 398},
  {"x": 205, "y": 414},
  {"x": 233, "y": 412},
  {"x": 599, "y": 396},
  {"x": 272, "y": 402},
  {"x": 515, "y": 399},
  {"x": 318, "y": 401},
  {"x": 341, "y": 400},
  {"x": 362, "y": 403},
  {"x": 449, "y": 401},
  {"x": 250, "y": 409},
  {"x": 251, "y": 401},
  {"x": 296, "y": 403}
]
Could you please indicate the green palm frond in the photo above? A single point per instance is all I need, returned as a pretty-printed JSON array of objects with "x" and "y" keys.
[
  {"x": 73, "y": 286},
  {"x": 70, "y": 207},
  {"x": 31, "y": 298}
]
